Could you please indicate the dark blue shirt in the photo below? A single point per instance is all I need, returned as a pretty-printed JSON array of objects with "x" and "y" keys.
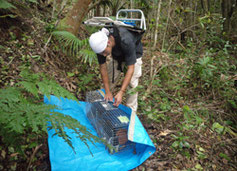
[{"x": 128, "y": 46}]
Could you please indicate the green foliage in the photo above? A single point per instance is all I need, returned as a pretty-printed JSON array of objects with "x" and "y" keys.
[
  {"x": 186, "y": 87},
  {"x": 91, "y": 29},
  {"x": 74, "y": 46},
  {"x": 191, "y": 119},
  {"x": 180, "y": 142},
  {"x": 214, "y": 72},
  {"x": 88, "y": 56},
  {"x": 201, "y": 152},
  {"x": 33, "y": 1},
  {"x": 37, "y": 84},
  {"x": 71, "y": 43},
  {"x": 218, "y": 128},
  {"x": 50, "y": 27},
  {"x": 205, "y": 69},
  {"x": 4, "y": 4},
  {"x": 84, "y": 81},
  {"x": 222, "y": 155},
  {"x": 24, "y": 117}
]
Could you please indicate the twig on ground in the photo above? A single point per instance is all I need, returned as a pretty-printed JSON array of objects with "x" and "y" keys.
[
  {"x": 32, "y": 156},
  {"x": 224, "y": 141}
]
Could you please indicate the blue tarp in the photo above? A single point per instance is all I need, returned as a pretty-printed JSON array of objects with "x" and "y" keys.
[{"x": 63, "y": 158}]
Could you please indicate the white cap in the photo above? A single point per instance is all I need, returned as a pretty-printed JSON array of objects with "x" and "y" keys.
[{"x": 98, "y": 41}]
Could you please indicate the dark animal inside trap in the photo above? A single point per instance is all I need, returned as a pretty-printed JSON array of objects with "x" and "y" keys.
[{"x": 110, "y": 123}]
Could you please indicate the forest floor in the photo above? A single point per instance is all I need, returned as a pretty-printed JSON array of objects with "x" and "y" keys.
[
  {"x": 23, "y": 40},
  {"x": 205, "y": 145}
]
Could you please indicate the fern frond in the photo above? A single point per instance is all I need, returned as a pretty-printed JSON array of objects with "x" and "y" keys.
[
  {"x": 60, "y": 121},
  {"x": 30, "y": 87},
  {"x": 57, "y": 90},
  {"x": 74, "y": 46},
  {"x": 21, "y": 115},
  {"x": 89, "y": 55},
  {"x": 71, "y": 42},
  {"x": 39, "y": 84}
]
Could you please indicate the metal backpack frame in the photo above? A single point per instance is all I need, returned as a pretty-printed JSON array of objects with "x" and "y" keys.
[{"x": 124, "y": 21}]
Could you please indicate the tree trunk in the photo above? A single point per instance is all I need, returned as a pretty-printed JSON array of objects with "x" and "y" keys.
[
  {"x": 205, "y": 6},
  {"x": 97, "y": 10},
  {"x": 115, "y": 8},
  {"x": 114, "y": 11},
  {"x": 74, "y": 18},
  {"x": 233, "y": 24},
  {"x": 157, "y": 23},
  {"x": 104, "y": 10},
  {"x": 167, "y": 23},
  {"x": 227, "y": 7},
  {"x": 208, "y": 5}
]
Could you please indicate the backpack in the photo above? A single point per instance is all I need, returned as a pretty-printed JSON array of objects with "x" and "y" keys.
[{"x": 114, "y": 29}]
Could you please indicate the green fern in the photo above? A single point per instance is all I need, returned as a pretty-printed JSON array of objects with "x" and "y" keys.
[
  {"x": 71, "y": 43},
  {"x": 38, "y": 84},
  {"x": 89, "y": 56},
  {"x": 74, "y": 46},
  {"x": 23, "y": 114}
]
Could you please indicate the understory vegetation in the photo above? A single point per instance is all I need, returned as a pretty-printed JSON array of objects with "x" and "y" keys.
[
  {"x": 187, "y": 94},
  {"x": 194, "y": 96}
]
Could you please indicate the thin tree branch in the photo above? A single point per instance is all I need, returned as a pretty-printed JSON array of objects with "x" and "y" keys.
[
  {"x": 157, "y": 23},
  {"x": 163, "y": 42},
  {"x": 32, "y": 156},
  {"x": 94, "y": 5}
]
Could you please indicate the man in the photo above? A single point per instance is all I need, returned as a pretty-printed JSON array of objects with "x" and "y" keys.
[{"x": 126, "y": 48}]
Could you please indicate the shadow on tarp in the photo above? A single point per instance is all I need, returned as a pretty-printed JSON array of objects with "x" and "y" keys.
[{"x": 63, "y": 158}]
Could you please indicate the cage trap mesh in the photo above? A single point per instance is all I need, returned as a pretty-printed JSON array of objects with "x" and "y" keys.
[{"x": 110, "y": 123}]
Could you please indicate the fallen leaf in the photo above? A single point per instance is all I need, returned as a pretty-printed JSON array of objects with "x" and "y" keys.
[
  {"x": 214, "y": 167},
  {"x": 225, "y": 161},
  {"x": 165, "y": 132},
  {"x": 3, "y": 154},
  {"x": 14, "y": 154},
  {"x": 198, "y": 166}
]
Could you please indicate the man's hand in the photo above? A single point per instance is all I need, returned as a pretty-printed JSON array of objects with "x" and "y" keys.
[
  {"x": 108, "y": 96},
  {"x": 118, "y": 98}
]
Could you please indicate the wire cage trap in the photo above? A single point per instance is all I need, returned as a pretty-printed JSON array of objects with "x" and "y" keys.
[{"x": 110, "y": 123}]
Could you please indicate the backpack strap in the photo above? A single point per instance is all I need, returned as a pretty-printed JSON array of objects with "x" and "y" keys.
[{"x": 115, "y": 31}]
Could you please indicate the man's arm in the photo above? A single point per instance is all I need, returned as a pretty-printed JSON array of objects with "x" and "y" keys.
[
  {"x": 126, "y": 81},
  {"x": 105, "y": 79}
]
